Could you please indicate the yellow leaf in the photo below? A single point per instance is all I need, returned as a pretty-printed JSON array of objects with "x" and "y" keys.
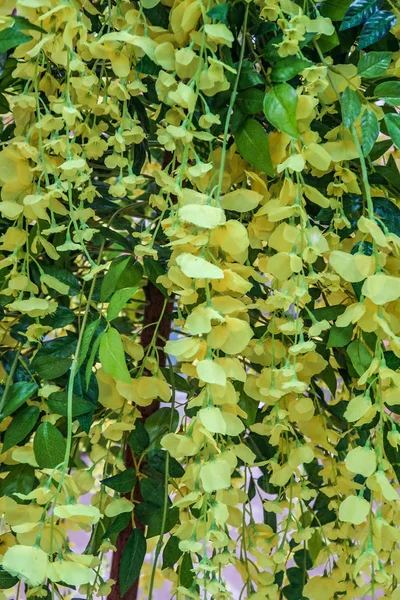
[
  {"x": 381, "y": 288},
  {"x": 198, "y": 268},
  {"x": 211, "y": 418},
  {"x": 357, "y": 408},
  {"x": 28, "y": 563},
  {"x": 354, "y": 510},
  {"x": 71, "y": 573},
  {"x": 361, "y": 461},
  {"x": 202, "y": 216},
  {"x": 352, "y": 267},
  {"x": 241, "y": 200},
  {"x": 317, "y": 156},
  {"x": 215, "y": 475},
  {"x": 210, "y": 371}
]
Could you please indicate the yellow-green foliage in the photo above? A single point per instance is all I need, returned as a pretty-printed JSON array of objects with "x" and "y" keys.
[{"x": 242, "y": 157}]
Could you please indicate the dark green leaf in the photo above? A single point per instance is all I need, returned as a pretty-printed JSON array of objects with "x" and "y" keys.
[
  {"x": 340, "y": 336},
  {"x": 152, "y": 491},
  {"x": 351, "y": 107},
  {"x": 22, "y": 424},
  {"x": 155, "y": 521},
  {"x": 249, "y": 77},
  {"x": 23, "y": 23},
  {"x": 253, "y": 145},
  {"x": 328, "y": 42},
  {"x": 157, "y": 425},
  {"x": 392, "y": 122},
  {"x": 157, "y": 460},
  {"x": 250, "y": 101},
  {"x": 12, "y": 37},
  {"x": 118, "y": 301},
  {"x": 62, "y": 347},
  {"x": 330, "y": 313},
  {"x": 4, "y": 106},
  {"x": 132, "y": 560},
  {"x": 389, "y": 91},
  {"x": 21, "y": 480},
  {"x": 377, "y": 26},
  {"x": 123, "y": 483},
  {"x": 373, "y": 64},
  {"x": 153, "y": 270},
  {"x": 335, "y": 9},
  {"x": 58, "y": 404},
  {"x": 280, "y": 105},
  {"x": 49, "y": 446},
  {"x": 219, "y": 12},
  {"x": 186, "y": 575},
  {"x": 119, "y": 524},
  {"x": 87, "y": 338},
  {"x": 18, "y": 394},
  {"x": 123, "y": 272},
  {"x": 359, "y": 356},
  {"x": 138, "y": 439},
  {"x": 171, "y": 553},
  {"x": 62, "y": 317},
  {"x": 369, "y": 131},
  {"x": 289, "y": 67},
  {"x": 49, "y": 369},
  {"x": 65, "y": 277},
  {"x": 358, "y": 12},
  {"x": 389, "y": 212},
  {"x": 112, "y": 356},
  {"x": 7, "y": 581}
]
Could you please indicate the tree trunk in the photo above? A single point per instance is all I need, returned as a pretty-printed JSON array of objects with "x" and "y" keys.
[{"x": 153, "y": 310}]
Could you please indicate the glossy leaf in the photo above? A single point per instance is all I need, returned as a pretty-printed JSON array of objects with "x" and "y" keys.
[
  {"x": 377, "y": 26},
  {"x": 389, "y": 91},
  {"x": 280, "y": 105},
  {"x": 253, "y": 145},
  {"x": 123, "y": 482},
  {"x": 369, "y": 131},
  {"x": 23, "y": 422},
  {"x": 392, "y": 122},
  {"x": 351, "y": 107},
  {"x": 49, "y": 446},
  {"x": 132, "y": 560},
  {"x": 373, "y": 64}
]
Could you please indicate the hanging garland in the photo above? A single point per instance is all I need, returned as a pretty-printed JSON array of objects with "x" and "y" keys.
[{"x": 200, "y": 334}]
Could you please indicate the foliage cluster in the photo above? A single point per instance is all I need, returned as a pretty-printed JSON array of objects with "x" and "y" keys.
[{"x": 200, "y": 317}]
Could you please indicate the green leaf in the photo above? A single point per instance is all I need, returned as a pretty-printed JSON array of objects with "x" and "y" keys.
[
  {"x": 65, "y": 277},
  {"x": 12, "y": 37},
  {"x": 6, "y": 580},
  {"x": 112, "y": 356},
  {"x": 389, "y": 91},
  {"x": 157, "y": 425},
  {"x": 4, "y": 106},
  {"x": 58, "y": 404},
  {"x": 250, "y": 101},
  {"x": 359, "y": 356},
  {"x": 253, "y": 145},
  {"x": 335, "y": 9},
  {"x": 138, "y": 439},
  {"x": 369, "y": 131},
  {"x": 288, "y": 67},
  {"x": 18, "y": 394},
  {"x": 22, "y": 424},
  {"x": 171, "y": 553},
  {"x": 351, "y": 107},
  {"x": 49, "y": 446},
  {"x": 152, "y": 491},
  {"x": 121, "y": 522},
  {"x": 340, "y": 336},
  {"x": 123, "y": 483},
  {"x": 358, "y": 12},
  {"x": 155, "y": 521},
  {"x": 21, "y": 479},
  {"x": 379, "y": 149},
  {"x": 132, "y": 560},
  {"x": 49, "y": 368},
  {"x": 91, "y": 359},
  {"x": 87, "y": 338},
  {"x": 373, "y": 64},
  {"x": 158, "y": 461},
  {"x": 328, "y": 42},
  {"x": 118, "y": 300},
  {"x": 219, "y": 12},
  {"x": 280, "y": 105},
  {"x": 330, "y": 313},
  {"x": 123, "y": 272},
  {"x": 186, "y": 575},
  {"x": 377, "y": 26},
  {"x": 153, "y": 270},
  {"x": 23, "y": 23},
  {"x": 392, "y": 122},
  {"x": 389, "y": 212}
]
